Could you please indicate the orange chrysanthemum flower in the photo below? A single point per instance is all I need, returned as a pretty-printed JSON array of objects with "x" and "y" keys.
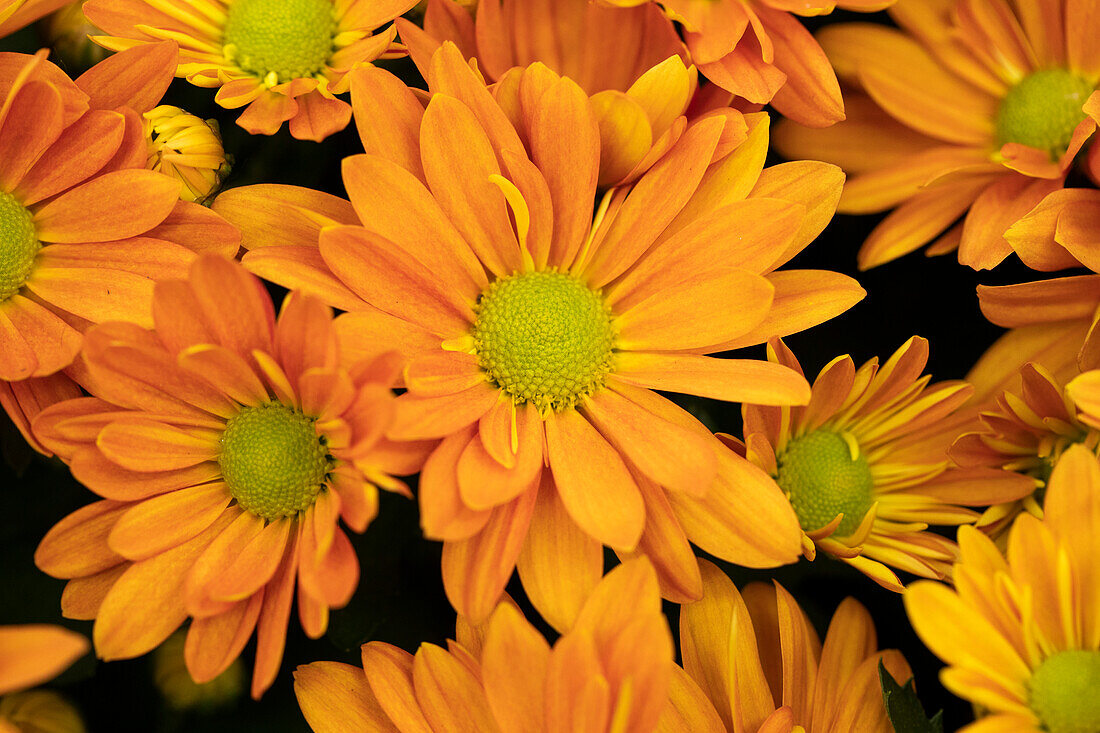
[
  {"x": 975, "y": 108},
  {"x": 865, "y": 464},
  {"x": 534, "y": 336},
  {"x": 16, "y": 14},
  {"x": 36, "y": 653},
  {"x": 284, "y": 59},
  {"x": 755, "y": 665},
  {"x": 1020, "y": 631},
  {"x": 1027, "y": 433},
  {"x": 611, "y": 672},
  {"x": 85, "y": 230},
  {"x": 226, "y": 445},
  {"x": 757, "y": 50},
  {"x": 631, "y": 61}
]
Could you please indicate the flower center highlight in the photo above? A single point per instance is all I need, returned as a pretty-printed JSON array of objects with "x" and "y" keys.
[
  {"x": 18, "y": 245},
  {"x": 544, "y": 337},
  {"x": 288, "y": 38},
  {"x": 817, "y": 473},
  {"x": 1063, "y": 692},
  {"x": 272, "y": 460},
  {"x": 1042, "y": 110}
]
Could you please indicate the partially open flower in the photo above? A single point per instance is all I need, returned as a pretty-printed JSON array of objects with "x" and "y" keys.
[{"x": 186, "y": 147}]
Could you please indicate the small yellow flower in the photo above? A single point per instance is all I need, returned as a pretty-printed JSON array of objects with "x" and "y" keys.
[{"x": 187, "y": 148}]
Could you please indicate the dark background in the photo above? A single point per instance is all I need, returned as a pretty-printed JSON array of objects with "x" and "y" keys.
[{"x": 400, "y": 597}]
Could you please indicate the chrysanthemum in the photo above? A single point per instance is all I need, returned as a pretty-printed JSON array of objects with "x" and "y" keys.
[
  {"x": 631, "y": 61},
  {"x": 15, "y": 14},
  {"x": 226, "y": 445},
  {"x": 758, "y": 50},
  {"x": 534, "y": 335},
  {"x": 865, "y": 464},
  {"x": 35, "y": 653},
  {"x": 612, "y": 672},
  {"x": 974, "y": 109},
  {"x": 755, "y": 665},
  {"x": 186, "y": 147},
  {"x": 85, "y": 229},
  {"x": 1020, "y": 632},
  {"x": 284, "y": 59},
  {"x": 1027, "y": 433}
]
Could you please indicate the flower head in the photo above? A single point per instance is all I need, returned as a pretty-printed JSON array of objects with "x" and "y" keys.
[
  {"x": 1026, "y": 433},
  {"x": 612, "y": 671},
  {"x": 186, "y": 147},
  {"x": 755, "y": 665},
  {"x": 85, "y": 229},
  {"x": 1019, "y": 631},
  {"x": 972, "y": 108},
  {"x": 758, "y": 51},
  {"x": 226, "y": 448},
  {"x": 865, "y": 464},
  {"x": 631, "y": 62},
  {"x": 535, "y": 334},
  {"x": 284, "y": 59}
]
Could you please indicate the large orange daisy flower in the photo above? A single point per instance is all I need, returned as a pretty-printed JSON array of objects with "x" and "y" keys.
[
  {"x": 284, "y": 59},
  {"x": 226, "y": 445},
  {"x": 86, "y": 229},
  {"x": 534, "y": 335},
  {"x": 865, "y": 464},
  {"x": 1019, "y": 631},
  {"x": 612, "y": 671},
  {"x": 975, "y": 108},
  {"x": 35, "y": 653},
  {"x": 757, "y": 50},
  {"x": 631, "y": 61},
  {"x": 755, "y": 665}
]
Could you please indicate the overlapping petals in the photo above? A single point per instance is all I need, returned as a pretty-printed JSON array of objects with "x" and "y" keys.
[
  {"x": 921, "y": 135},
  {"x": 481, "y": 185},
  {"x": 898, "y": 423},
  {"x": 308, "y": 103},
  {"x": 168, "y": 540},
  {"x": 993, "y": 646}
]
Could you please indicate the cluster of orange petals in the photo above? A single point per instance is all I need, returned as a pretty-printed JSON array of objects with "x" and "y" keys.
[
  {"x": 752, "y": 663},
  {"x": 167, "y": 540}
]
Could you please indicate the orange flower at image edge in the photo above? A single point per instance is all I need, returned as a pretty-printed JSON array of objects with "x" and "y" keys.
[
  {"x": 552, "y": 331},
  {"x": 283, "y": 59},
  {"x": 614, "y": 670},
  {"x": 85, "y": 230},
  {"x": 225, "y": 450},
  {"x": 1019, "y": 631},
  {"x": 976, "y": 108},
  {"x": 758, "y": 50}
]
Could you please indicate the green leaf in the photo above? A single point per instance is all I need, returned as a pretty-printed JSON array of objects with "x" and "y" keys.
[{"x": 904, "y": 708}]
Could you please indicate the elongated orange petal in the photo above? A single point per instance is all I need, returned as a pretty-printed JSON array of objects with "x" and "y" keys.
[
  {"x": 104, "y": 208},
  {"x": 36, "y": 653},
  {"x": 136, "y": 78},
  {"x": 735, "y": 380},
  {"x": 31, "y": 126},
  {"x": 163, "y": 522},
  {"x": 335, "y": 697}
]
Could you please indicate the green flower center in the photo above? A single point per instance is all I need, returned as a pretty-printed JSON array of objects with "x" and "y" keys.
[
  {"x": 1042, "y": 110},
  {"x": 1063, "y": 692},
  {"x": 272, "y": 460},
  {"x": 289, "y": 38},
  {"x": 817, "y": 473},
  {"x": 18, "y": 246},
  {"x": 544, "y": 337}
]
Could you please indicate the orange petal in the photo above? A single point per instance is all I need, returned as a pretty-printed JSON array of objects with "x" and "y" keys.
[
  {"x": 983, "y": 244},
  {"x": 274, "y": 616},
  {"x": 214, "y": 643},
  {"x": 32, "y": 124},
  {"x": 111, "y": 206},
  {"x": 318, "y": 117},
  {"x": 515, "y": 693},
  {"x": 450, "y": 694},
  {"x": 36, "y": 653},
  {"x": 435, "y": 417},
  {"x": 734, "y": 380},
  {"x": 163, "y": 522},
  {"x": 594, "y": 484},
  {"x": 389, "y": 674},
  {"x": 34, "y": 342},
  {"x": 87, "y": 145},
  {"x": 811, "y": 95},
  {"x": 336, "y": 697},
  {"x": 136, "y": 78},
  {"x": 147, "y": 445}
]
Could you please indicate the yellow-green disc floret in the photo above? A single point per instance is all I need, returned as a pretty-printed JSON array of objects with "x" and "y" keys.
[
  {"x": 1063, "y": 689},
  {"x": 290, "y": 38},
  {"x": 273, "y": 460},
  {"x": 544, "y": 337},
  {"x": 817, "y": 473},
  {"x": 1043, "y": 109},
  {"x": 18, "y": 246}
]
